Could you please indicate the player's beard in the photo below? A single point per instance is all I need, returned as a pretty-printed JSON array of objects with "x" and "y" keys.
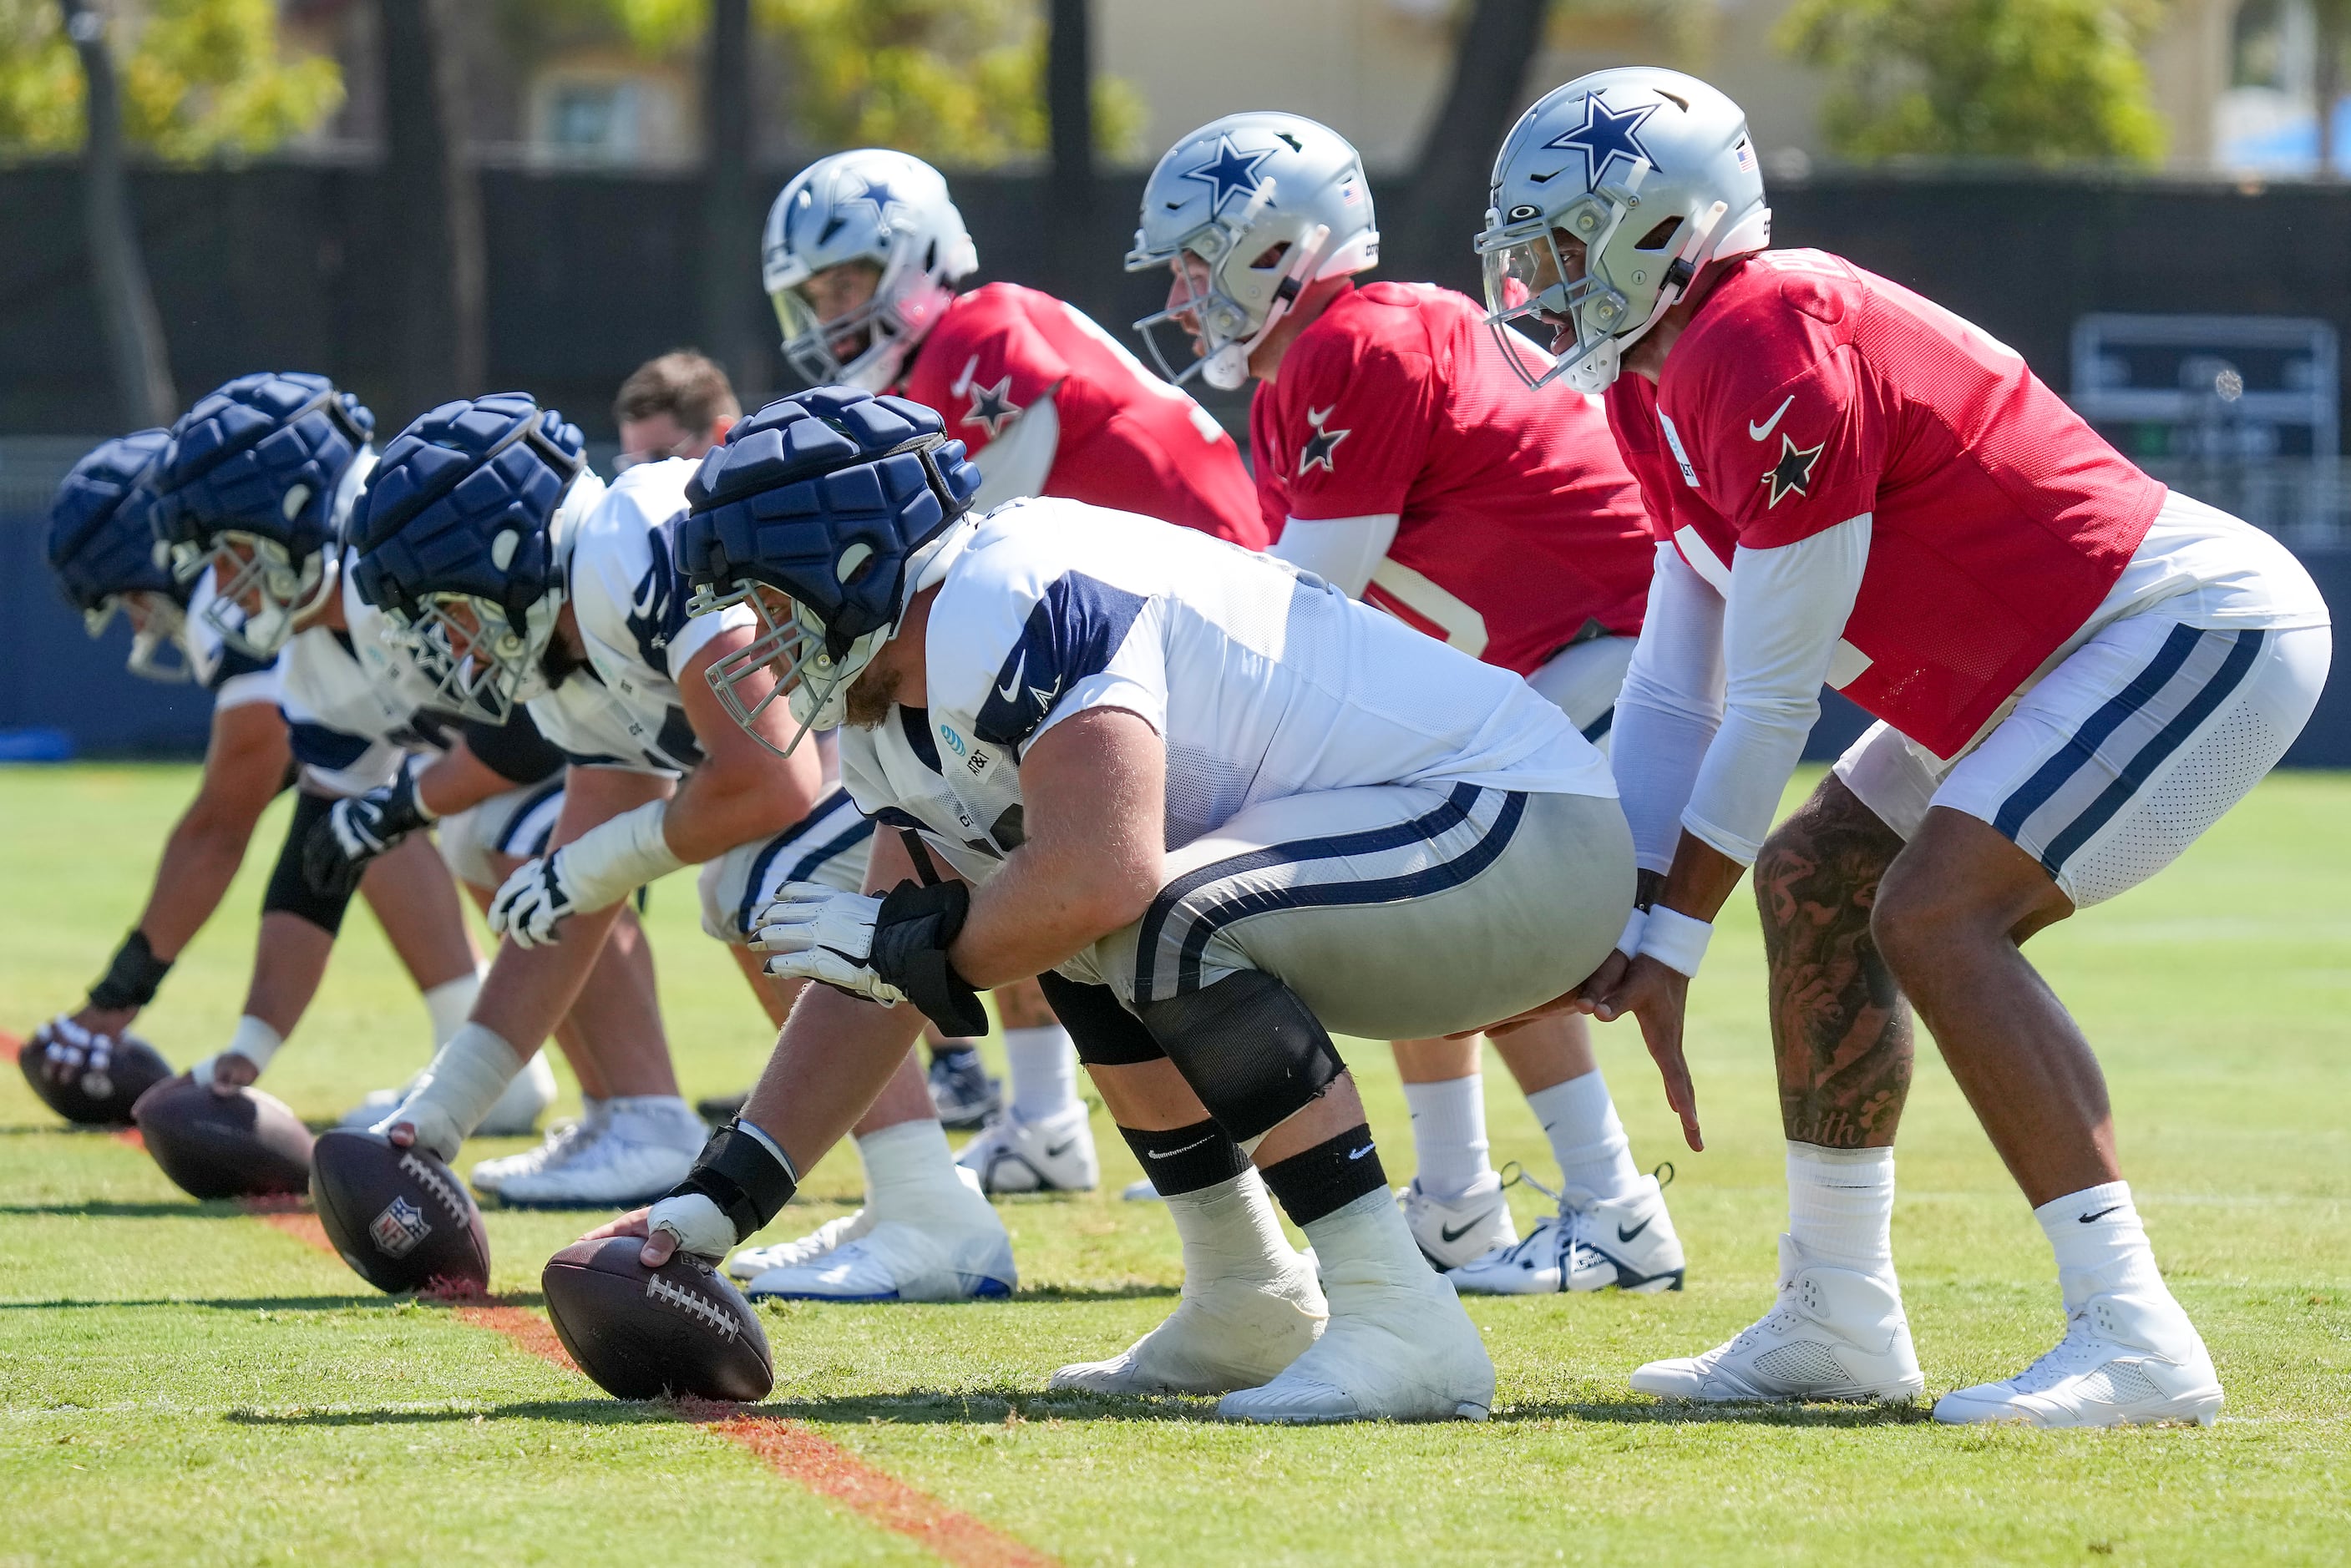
[{"x": 872, "y": 696}]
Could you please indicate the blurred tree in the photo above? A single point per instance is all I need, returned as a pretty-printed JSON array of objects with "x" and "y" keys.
[
  {"x": 2334, "y": 19},
  {"x": 436, "y": 203},
  {"x": 126, "y": 305},
  {"x": 2050, "y": 81},
  {"x": 198, "y": 78},
  {"x": 1429, "y": 233}
]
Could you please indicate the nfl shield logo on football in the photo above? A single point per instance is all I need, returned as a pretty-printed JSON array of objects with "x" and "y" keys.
[{"x": 398, "y": 1229}]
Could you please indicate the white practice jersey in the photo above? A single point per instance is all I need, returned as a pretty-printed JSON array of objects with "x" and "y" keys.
[
  {"x": 350, "y": 706},
  {"x": 622, "y": 709},
  {"x": 1264, "y": 681}
]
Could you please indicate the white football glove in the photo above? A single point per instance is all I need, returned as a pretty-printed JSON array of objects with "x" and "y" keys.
[
  {"x": 534, "y": 901},
  {"x": 594, "y": 871},
  {"x": 67, "y": 1051},
  {"x": 700, "y": 1226},
  {"x": 823, "y": 934}
]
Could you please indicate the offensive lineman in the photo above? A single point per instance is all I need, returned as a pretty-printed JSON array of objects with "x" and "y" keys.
[
  {"x": 588, "y": 627},
  {"x": 2075, "y": 674},
  {"x": 1230, "y": 809},
  {"x": 254, "y": 490},
  {"x": 864, "y": 258},
  {"x": 1400, "y": 459},
  {"x": 101, "y": 546}
]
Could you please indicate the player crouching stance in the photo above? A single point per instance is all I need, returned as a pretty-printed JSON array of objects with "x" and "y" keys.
[
  {"x": 1229, "y": 809},
  {"x": 2074, "y": 675}
]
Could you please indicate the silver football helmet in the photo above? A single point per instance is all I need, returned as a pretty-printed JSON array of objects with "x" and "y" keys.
[
  {"x": 1654, "y": 173},
  {"x": 873, "y": 205},
  {"x": 1268, "y": 203}
]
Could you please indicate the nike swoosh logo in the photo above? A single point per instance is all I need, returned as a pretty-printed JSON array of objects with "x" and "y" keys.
[
  {"x": 2092, "y": 1219},
  {"x": 1763, "y": 430},
  {"x": 1057, "y": 1151},
  {"x": 1454, "y": 1233},
  {"x": 1172, "y": 1153},
  {"x": 1010, "y": 690},
  {"x": 1625, "y": 1235},
  {"x": 1358, "y": 1154}
]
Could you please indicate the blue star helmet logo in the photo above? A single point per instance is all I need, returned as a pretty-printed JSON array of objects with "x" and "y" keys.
[
  {"x": 873, "y": 194},
  {"x": 1229, "y": 171},
  {"x": 1606, "y": 134}
]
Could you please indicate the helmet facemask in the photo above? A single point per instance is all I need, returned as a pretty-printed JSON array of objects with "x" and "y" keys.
[
  {"x": 159, "y": 649},
  {"x": 1253, "y": 280},
  {"x": 480, "y": 663},
  {"x": 261, "y": 594},
  {"x": 907, "y": 301}
]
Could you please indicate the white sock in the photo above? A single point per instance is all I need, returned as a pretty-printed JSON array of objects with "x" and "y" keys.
[
  {"x": 1230, "y": 1230},
  {"x": 910, "y": 1171},
  {"x": 1367, "y": 1241},
  {"x": 1586, "y": 1137},
  {"x": 1840, "y": 1206},
  {"x": 449, "y": 1004},
  {"x": 668, "y": 1116},
  {"x": 1044, "y": 1069},
  {"x": 1448, "y": 1134},
  {"x": 2100, "y": 1244}
]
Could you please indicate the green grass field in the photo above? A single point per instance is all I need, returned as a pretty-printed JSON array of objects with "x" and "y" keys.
[{"x": 183, "y": 1383}]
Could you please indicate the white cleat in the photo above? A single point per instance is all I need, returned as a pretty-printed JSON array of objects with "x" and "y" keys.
[
  {"x": 1397, "y": 1347},
  {"x": 1591, "y": 1244},
  {"x": 487, "y": 1175},
  {"x": 752, "y": 1262},
  {"x": 898, "y": 1261},
  {"x": 1834, "y": 1335},
  {"x": 633, "y": 1154},
  {"x": 1053, "y": 1153},
  {"x": 516, "y": 1114},
  {"x": 2126, "y": 1360},
  {"x": 1453, "y": 1230}
]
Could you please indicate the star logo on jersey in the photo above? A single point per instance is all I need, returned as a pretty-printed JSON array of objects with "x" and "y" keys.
[
  {"x": 1321, "y": 443},
  {"x": 1793, "y": 471},
  {"x": 873, "y": 194},
  {"x": 992, "y": 407},
  {"x": 1606, "y": 134},
  {"x": 1229, "y": 171}
]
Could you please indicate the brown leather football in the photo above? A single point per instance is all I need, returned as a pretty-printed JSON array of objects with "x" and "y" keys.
[
  {"x": 94, "y": 1083},
  {"x": 641, "y": 1333},
  {"x": 241, "y": 1145},
  {"x": 398, "y": 1216}
]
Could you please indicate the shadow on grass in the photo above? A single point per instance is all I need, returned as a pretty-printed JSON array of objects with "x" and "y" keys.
[
  {"x": 972, "y": 1407},
  {"x": 112, "y": 1209},
  {"x": 1679, "y": 1413},
  {"x": 1094, "y": 1294},
  {"x": 281, "y": 1303},
  {"x": 85, "y": 1129},
  {"x": 601, "y": 1412}
]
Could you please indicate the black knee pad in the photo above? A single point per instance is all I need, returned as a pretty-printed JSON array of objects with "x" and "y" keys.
[
  {"x": 289, "y": 890},
  {"x": 1249, "y": 1048},
  {"x": 1106, "y": 1033}
]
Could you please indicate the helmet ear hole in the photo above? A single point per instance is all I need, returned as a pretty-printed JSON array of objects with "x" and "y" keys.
[
  {"x": 1660, "y": 237},
  {"x": 1271, "y": 258}
]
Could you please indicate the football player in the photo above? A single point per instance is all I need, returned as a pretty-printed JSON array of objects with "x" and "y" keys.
[
  {"x": 252, "y": 493},
  {"x": 586, "y": 626},
  {"x": 1401, "y": 458},
  {"x": 2074, "y": 672},
  {"x": 1228, "y": 810},
  {"x": 867, "y": 261},
  {"x": 101, "y": 545}
]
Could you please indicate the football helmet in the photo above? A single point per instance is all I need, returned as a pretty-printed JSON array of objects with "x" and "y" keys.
[
  {"x": 460, "y": 540},
  {"x": 1270, "y": 201},
  {"x": 102, "y": 547},
  {"x": 256, "y": 483},
  {"x": 873, "y": 205},
  {"x": 1653, "y": 172},
  {"x": 826, "y": 512}
]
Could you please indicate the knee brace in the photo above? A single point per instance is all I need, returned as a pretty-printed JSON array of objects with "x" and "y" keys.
[
  {"x": 1106, "y": 1033},
  {"x": 1249, "y": 1048},
  {"x": 289, "y": 890}
]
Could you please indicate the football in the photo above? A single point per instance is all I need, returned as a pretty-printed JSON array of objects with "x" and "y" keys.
[
  {"x": 640, "y": 1332},
  {"x": 244, "y": 1145},
  {"x": 398, "y": 1216},
  {"x": 94, "y": 1084}
]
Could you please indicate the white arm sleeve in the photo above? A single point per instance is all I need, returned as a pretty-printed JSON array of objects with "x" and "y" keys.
[
  {"x": 1342, "y": 551},
  {"x": 1786, "y": 612},
  {"x": 1016, "y": 463},
  {"x": 1670, "y": 707}
]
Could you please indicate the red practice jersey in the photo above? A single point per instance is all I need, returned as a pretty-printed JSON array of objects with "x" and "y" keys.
[
  {"x": 1518, "y": 525},
  {"x": 1129, "y": 440},
  {"x": 1806, "y": 392}
]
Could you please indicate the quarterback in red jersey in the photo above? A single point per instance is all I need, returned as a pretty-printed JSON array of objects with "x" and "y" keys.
[
  {"x": 2074, "y": 673},
  {"x": 1400, "y": 456}
]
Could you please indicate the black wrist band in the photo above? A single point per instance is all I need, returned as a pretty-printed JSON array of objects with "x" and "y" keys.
[
  {"x": 131, "y": 978},
  {"x": 739, "y": 1172},
  {"x": 910, "y": 950}
]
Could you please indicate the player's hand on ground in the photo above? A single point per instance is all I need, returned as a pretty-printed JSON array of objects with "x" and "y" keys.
[
  {"x": 687, "y": 1223},
  {"x": 225, "y": 1073},
  {"x": 1658, "y": 996},
  {"x": 534, "y": 901},
  {"x": 823, "y": 934},
  {"x": 421, "y": 1125}
]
